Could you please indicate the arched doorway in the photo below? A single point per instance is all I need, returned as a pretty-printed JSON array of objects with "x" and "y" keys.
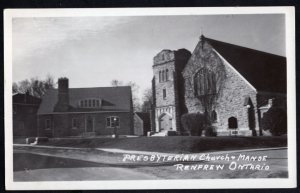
[
  {"x": 165, "y": 122},
  {"x": 232, "y": 123}
]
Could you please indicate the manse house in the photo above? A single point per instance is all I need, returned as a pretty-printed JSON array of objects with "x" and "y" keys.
[
  {"x": 234, "y": 85},
  {"x": 85, "y": 111}
]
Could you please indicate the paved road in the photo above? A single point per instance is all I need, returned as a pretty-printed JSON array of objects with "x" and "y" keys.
[{"x": 46, "y": 165}]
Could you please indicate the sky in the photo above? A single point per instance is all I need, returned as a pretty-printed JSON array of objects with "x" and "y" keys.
[{"x": 92, "y": 51}]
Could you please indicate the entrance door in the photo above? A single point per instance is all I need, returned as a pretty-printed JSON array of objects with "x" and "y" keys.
[
  {"x": 90, "y": 124},
  {"x": 232, "y": 123},
  {"x": 165, "y": 123}
]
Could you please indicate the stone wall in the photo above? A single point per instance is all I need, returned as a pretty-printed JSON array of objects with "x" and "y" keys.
[
  {"x": 174, "y": 61},
  {"x": 232, "y": 90},
  {"x": 165, "y": 60}
]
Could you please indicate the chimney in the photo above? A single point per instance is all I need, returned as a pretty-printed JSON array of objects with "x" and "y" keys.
[{"x": 63, "y": 95}]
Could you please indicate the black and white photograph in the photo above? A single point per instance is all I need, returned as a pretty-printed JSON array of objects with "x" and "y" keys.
[{"x": 150, "y": 98}]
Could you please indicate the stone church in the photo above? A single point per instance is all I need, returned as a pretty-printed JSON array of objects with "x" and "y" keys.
[{"x": 235, "y": 85}]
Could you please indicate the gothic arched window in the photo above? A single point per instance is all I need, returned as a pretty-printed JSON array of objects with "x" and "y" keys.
[
  {"x": 204, "y": 82},
  {"x": 214, "y": 116},
  {"x": 167, "y": 75}
]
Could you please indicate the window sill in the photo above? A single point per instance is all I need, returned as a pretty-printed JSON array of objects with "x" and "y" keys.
[{"x": 112, "y": 127}]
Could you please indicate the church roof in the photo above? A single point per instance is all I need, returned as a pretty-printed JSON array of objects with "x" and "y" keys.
[
  {"x": 265, "y": 71},
  {"x": 113, "y": 99}
]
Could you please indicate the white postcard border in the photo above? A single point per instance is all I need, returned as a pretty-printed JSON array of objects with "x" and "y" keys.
[{"x": 289, "y": 182}]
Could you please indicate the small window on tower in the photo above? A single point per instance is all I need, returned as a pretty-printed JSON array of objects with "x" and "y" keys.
[
  {"x": 167, "y": 75},
  {"x": 164, "y": 93},
  {"x": 159, "y": 78}
]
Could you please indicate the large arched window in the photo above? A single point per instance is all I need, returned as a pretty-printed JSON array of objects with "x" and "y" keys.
[{"x": 204, "y": 82}]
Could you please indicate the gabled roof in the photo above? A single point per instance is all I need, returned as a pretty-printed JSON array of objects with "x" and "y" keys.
[
  {"x": 144, "y": 116},
  {"x": 113, "y": 99},
  {"x": 265, "y": 71}
]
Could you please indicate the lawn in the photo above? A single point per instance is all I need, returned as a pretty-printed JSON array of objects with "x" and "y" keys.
[{"x": 174, "y": 144}]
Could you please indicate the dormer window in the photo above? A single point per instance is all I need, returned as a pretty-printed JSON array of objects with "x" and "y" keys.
[{"x": 90, "y": 103}]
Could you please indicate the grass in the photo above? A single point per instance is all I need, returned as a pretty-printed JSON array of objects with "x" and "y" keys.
[{"x": 175, "y": 144}]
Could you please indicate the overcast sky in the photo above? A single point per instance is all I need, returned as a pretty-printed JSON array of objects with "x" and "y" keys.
[{"x": 91, "y": 51}]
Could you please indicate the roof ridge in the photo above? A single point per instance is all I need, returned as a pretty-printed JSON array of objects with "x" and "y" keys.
[
  {"x": 252, "y": 49},
  {"x": 93, "y": 87}
]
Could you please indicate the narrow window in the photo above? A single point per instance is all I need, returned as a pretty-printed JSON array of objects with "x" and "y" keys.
[
  {"x": 214, "y": 116},
  {"x": 90, "y": 103},
  {"x": 159, "y": 76},
  {"x": 75, "y": 123},
  {"x": 164, "y": 93},
  {"x": 98, "y": 104},
  {"x": 117, "y": 121},
  {"x": 85, "y": 103},
  {"x": 167, "y": 75},
  {"x": 81, "y": 104},
  {"x": 48, "y": 124},
  {"x": 94, "y": 102},
  {"x": 108, "y": 122},
  {"x": 163, "y": 76}
]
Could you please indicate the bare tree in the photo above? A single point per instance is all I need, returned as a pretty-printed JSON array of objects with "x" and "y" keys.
[
  {"x": 35, "y": 86},
  {"x": 15, "y": 88},
  {"x": 135, "y": 99},
  {"x": 134, "y": 89},
  {"x": 147, "y": 100},
  {"x": 116, "y": 82}
]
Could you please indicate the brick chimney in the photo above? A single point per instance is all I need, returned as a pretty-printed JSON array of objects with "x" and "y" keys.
[{"x": 63, "y": 95}]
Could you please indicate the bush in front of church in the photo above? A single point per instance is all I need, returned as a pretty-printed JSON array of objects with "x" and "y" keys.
[
  {"x": 210, "y": 131},
  {"x": 275, "y": 121},
  {"x": 193, "y": 123}
]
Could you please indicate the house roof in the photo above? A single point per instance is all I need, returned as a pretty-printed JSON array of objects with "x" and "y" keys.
[
  {"x": 144, "y": 116},
  {"x": 113, "y": 99},
  {"x": 265, "y": 71},
  {"x": 26, "y": 99}
]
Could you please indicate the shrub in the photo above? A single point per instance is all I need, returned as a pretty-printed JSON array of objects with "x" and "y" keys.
[
  {"x": 193, "y": 123},
  {"x": 275, "y": 121},
  {"x": 210, "y": 131}
]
